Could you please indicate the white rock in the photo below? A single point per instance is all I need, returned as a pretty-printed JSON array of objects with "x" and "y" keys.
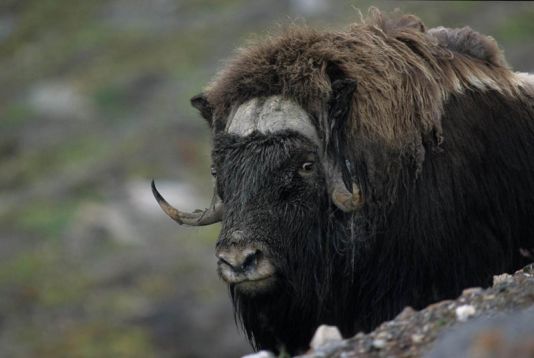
[
  {"x": 417, "y": 338},
  {"x": 325, "y": 334},
  {"x": 464, "y": 312},
  {"x": 379, "y": 343},
  {"x": 260, "y": 354}
]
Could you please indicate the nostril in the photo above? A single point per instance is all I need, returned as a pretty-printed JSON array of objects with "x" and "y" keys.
[
  {"x": 238, "y": 260},
  {"x": 251, "y": 259},
  {"x": 233, "y": 259},
  {"x": 224, "y": 261}
]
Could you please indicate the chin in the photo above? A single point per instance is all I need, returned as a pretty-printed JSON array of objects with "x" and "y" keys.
[{"x": 253, "y": 288}]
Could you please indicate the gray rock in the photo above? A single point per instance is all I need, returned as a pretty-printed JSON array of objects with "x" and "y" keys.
[{"x": 500, "y": 336}]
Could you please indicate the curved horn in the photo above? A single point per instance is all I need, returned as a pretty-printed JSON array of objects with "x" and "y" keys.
[
  {"x": 197, "y": 218},
  {"x": 343, "y": 198}
]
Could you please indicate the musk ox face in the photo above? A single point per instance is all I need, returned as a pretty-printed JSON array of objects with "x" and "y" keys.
[
  {"x": 270, "y": 179},
  {"x": 273, "y": 189}
]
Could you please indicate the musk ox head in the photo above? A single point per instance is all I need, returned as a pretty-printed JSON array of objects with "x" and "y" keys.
[
  {"x": 275, "y": 178},
  {"x": 280, "y": 186}
]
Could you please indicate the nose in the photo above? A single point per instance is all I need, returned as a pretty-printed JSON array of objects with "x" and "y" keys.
[{"x": 239, "y": 260}]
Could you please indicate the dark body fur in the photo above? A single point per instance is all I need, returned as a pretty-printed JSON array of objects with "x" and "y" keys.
[
  {"x": 447, "y": 174},
  {"x": 463, "y": 217}
]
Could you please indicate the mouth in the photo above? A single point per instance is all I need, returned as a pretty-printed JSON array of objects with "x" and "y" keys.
[
  {"x": 256, "y": 276},
  {"x": 247, "y": 283},
  {"x": 254, "y": 286},
  {"x": 255, "y": 280},
  {"x": 241, "y": 279}
]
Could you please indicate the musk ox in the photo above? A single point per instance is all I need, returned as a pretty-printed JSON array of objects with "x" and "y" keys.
[{"x": 362, "y": 171}]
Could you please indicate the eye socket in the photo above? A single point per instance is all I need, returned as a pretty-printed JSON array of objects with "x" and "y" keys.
[
  {"x": 213, "y": 171},
  {"x": 307, "y": 168}
]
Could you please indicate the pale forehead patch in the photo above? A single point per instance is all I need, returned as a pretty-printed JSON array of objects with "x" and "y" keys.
[{"x": 270, "y": 115}]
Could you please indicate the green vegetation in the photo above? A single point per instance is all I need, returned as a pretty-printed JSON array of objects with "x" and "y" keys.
[
  {"x": 518, "y": 28},
  {"x": 46, "y": 219},
  {"x": 15, "y": 115}
]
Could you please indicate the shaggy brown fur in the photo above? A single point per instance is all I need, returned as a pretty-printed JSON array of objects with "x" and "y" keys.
[
  {"x": 404, "y": 73},
  {"x": 471, "y": 43},
  {"x": 431, "y": 126}
]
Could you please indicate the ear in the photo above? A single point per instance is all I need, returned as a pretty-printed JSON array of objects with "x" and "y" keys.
[
  {"x": 201, "y": 103},
  {"x": 339, "y": 110}
]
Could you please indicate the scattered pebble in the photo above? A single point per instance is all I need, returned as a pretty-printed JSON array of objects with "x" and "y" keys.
[
  {"x": 529, "y": 269},
  {"x": 417, "y": 338},
  {"x": 471, "y": 291},
  {"x": 504, "y": 278},
  {"x": 384, "y": 335},
  {"x": 379, "y": 343},
  {"x": 464, "y": 312},
  {"x": 406, "y": 313}
]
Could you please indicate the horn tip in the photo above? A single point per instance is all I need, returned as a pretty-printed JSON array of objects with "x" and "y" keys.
[
  {"x": 155, "y": 191},
  {"x": 167, "y": 208}
]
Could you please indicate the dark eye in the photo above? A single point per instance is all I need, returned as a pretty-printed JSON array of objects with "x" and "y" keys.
[
  {"x": 307, "y": 168},
  {"x": 213, "y": 171}
]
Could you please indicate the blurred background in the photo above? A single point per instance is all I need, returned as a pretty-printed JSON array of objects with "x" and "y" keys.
[{"x": 94, "y": 102}]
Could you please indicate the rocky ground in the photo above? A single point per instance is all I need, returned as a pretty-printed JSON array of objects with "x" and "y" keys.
[{"x": 493, "y": 322}]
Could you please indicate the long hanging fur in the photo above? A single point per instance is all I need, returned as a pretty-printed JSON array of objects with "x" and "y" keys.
[{"x": 440, "y": 137}]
